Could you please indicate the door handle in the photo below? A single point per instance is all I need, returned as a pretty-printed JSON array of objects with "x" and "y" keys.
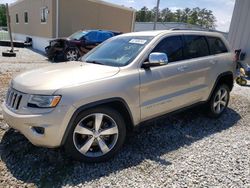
[
  {"x": 182, "y": 68},
  {"x": 213, "y": 61}
]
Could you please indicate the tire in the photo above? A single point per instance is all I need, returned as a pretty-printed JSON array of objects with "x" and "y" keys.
[
  {"x": 218, "y": 102},
  {"x": 238, "y": 79},
  {"x": 241, "y": 81},
  {"x": 71, "y": 54},
  {"x": 96, "y": 135}
]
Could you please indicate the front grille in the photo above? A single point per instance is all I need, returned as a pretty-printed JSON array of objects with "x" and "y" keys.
[{"x": 13, "y": 99}]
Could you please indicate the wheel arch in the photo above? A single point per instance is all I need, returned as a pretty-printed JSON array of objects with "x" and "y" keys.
[
  {"x": 224, "y": 78},
  {"x": 118, "y": 104},
  {"x": 71, "y": 48}
]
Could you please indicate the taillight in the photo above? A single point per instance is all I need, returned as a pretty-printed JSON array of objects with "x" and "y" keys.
[{"x": 237, "y": 55}]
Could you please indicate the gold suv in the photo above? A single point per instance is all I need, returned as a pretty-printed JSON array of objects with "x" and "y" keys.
[{"x": 87, "y": 107}]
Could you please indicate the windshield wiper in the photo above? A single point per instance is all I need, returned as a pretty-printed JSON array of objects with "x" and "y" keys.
[{"x": 95, "y": 62}]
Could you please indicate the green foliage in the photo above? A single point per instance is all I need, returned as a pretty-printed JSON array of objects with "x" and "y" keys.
[
  {"x": 195, "y": 16},
  {"x": 3, "y": 19}
]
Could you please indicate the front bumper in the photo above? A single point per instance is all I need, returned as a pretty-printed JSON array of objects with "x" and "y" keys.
[{"x": 54, "y": 124}]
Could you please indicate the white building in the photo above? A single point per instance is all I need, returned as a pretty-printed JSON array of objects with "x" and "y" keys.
[{"x": 239, "y": 33}]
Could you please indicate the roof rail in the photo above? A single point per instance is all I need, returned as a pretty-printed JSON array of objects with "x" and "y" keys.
[{"x": 194, "y": 29}]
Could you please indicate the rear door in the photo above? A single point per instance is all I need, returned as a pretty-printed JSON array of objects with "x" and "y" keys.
[
  {"x": 199, "y": 66},
  {"x": 222, "y": 58}
]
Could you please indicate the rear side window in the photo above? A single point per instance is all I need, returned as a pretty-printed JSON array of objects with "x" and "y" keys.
[
  {"x": 172, "y": 46},
  {"x": 195, "y": 46},
  {"x": 216, "y": 45}
]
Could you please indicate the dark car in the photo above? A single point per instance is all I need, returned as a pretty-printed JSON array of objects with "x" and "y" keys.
[{"x": 76, "y": 45}]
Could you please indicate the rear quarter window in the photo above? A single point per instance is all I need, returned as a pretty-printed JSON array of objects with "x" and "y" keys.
[
  {"x": 195, "y": 46},
  {"x": 216, "y": 45}
]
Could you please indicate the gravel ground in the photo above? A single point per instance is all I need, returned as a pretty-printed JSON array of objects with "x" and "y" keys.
[{"x": 184, "y": 150}]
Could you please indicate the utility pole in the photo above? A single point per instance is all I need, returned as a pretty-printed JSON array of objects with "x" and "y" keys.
[
  {"x": 9, "y": 53},
  {"x": 156, "y": 14},
  {"x": 9, "y": 27}
]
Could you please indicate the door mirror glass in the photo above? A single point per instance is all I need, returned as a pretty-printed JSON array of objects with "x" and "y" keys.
[{"x": 156, "y": 59}]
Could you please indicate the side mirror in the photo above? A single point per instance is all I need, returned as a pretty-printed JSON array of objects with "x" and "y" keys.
[{"x": 156, "y": 59}]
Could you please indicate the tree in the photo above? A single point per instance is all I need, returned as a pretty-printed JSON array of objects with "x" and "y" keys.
[
  {"x": 178, "y": 15},
  {"x": 154, "y": 10},
  {"x": 3, "y": 19},
  {"x": 195, "y": 16},
  {"x": 167, "y": 15},
  {"x": 144, "y": 15},
  {"x": 185, "y": 14},
  {"x": 209, "y": 19},
  {"x": 206, "y": 19}
]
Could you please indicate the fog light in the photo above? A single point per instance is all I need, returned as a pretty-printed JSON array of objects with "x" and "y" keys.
[{"x": 38, "y": 130}]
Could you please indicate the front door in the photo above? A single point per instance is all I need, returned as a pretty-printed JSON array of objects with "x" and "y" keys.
[{"x": 169, "y": 87}]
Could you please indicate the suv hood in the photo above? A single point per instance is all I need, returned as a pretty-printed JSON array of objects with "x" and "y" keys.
[{"x": 51, "y": 78}]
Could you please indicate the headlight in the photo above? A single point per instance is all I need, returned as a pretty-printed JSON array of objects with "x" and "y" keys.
[{"x": 43, "y": 101}]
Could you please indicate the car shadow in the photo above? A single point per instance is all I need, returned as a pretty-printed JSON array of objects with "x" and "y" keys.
[
  {"x": 49, "y": 167},
  {"x": 248, "y": 85}
]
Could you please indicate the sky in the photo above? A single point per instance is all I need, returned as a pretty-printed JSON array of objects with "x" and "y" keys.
[{"x": 222, "y": 9}]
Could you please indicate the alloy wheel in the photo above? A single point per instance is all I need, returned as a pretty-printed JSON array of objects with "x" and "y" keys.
[
  {"x": 95, "y": 135},
  {"x": 220, "y": 100},
  {"x": 72, "y": 55}
]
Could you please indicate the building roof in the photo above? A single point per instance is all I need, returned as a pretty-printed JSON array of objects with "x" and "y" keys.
[
  {"x": 112, "y": 5},
  {"x": 95, "y": 1}
]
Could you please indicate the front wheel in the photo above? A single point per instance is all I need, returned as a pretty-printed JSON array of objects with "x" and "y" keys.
[
  {"x": 218, "y": 101},
  {"x": 71, "y": 54},
  {"x": 96, "y": 135}
]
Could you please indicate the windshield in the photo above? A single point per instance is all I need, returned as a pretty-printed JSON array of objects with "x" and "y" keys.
[
  {"x": 118, "y": 51},
  {"x": 78, "y": 35}
]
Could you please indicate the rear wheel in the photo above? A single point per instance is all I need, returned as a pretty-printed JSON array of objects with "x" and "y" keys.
[
  {"x": 218, "y": 101},
  {"x": 96, "y": 135},
  {"x": 71, "y": 54}
]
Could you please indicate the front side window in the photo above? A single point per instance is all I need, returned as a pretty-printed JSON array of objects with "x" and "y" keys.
[
  {"x": 17, "y": 18},
  {"x": 195, "y": 46},
  {"x": 172, "y": 46},
  {"x": 118, "y": 51},
  {"x": 26, "y": 18},
  {"x": 216, "y": 45},
  {"x": 44, "y": 14}
]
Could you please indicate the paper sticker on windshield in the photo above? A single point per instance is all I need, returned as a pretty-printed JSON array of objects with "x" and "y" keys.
[{"x": 137, "y": 41}]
